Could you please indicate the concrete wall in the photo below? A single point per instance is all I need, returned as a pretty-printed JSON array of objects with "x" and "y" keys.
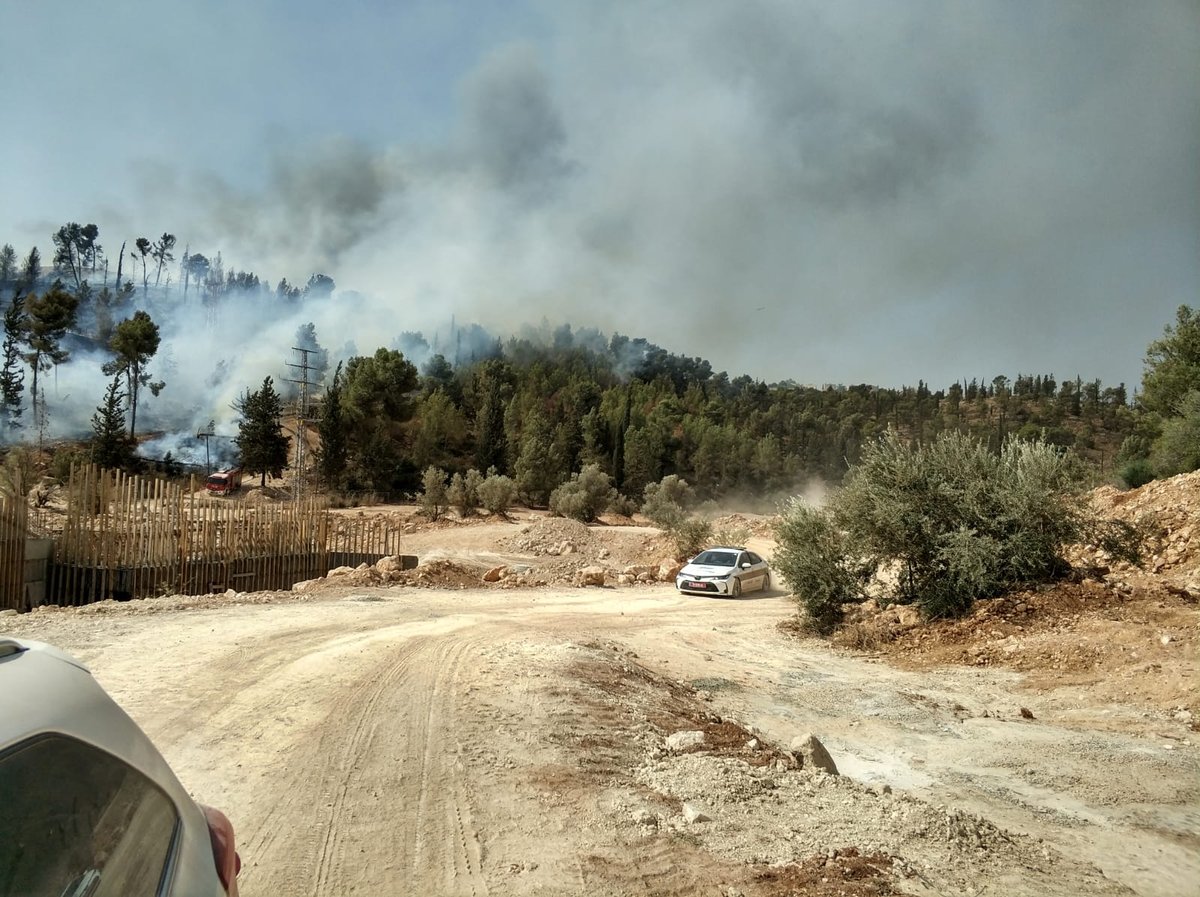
[{"x": 37, "y": 570}]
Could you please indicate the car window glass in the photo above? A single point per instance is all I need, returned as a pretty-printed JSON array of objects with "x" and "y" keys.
[
  {"x": 715, "y": 558},
  {"x": 77, "y": 822},
  {"x": 754, "y": 558}
]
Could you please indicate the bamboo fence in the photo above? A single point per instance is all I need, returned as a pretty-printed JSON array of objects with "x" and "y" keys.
[
  {"x": 133, "y": 537},
  {"x": 13, "y": 531}
]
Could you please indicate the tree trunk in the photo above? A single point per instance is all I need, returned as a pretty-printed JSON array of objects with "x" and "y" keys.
[
  {"x": 131, "y": 383},
  {"x": 33, "y": 395},
  {"x": 120, "y": 263}
]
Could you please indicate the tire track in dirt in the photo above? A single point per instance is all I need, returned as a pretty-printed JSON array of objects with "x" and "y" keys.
[
  {"x": 377, "y": 803},
  {"x": 444, "y": 853},
  {"x": 298, "y": 838},
  {"x": 242, "y": 668}
]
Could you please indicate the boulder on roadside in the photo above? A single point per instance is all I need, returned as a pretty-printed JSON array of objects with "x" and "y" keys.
[
  {"x": 389, "y": 565},
  {"x": 496, "y": 573},
  {"x": 682, "y": 741},
  {"x": 637, "y": 570},
  {"x": 812, "y": 754},
  {"x": 668, "y": 569},
  {"x": 592, "y": 576}
]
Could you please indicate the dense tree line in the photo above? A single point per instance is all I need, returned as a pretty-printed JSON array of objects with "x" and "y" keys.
[
  {"x": 544, "y": 405},
  {"x": 542, "y": 409}
]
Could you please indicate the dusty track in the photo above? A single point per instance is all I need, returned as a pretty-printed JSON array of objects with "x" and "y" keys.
[{"x": 377, "y": 742}]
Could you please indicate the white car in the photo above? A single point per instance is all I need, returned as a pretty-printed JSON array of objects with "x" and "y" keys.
[
  {"x": 88, "y": 806},
  {"x": 724, "y": 571}
]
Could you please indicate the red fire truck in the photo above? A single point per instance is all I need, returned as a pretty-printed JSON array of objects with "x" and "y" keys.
[{"x": 224, "y": 482}]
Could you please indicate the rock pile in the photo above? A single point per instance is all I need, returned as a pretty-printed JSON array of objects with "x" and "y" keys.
[
  {"x": 568, "y": 551},
  {"x": 729, "y": 797},
  {"x": 1170, "y": 510},
  {"x": 554, "y": 537},
  {"x": 390, "y": 571}
]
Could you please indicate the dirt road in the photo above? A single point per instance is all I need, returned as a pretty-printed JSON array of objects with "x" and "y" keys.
[{"x": 388, "y": 741}]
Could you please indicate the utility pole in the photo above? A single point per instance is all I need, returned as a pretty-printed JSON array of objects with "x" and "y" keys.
[
  {"x": 303, "y": 369},
  {"x": 206, "y": 434}
]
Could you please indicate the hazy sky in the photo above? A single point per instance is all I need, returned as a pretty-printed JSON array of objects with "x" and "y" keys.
[{"x": 831, "y": 192}]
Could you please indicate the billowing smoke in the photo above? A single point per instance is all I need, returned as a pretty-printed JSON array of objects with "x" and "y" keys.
[{"x": 825, "y": 192}]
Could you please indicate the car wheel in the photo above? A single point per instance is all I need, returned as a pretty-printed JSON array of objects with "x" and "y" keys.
[
  {"x": 735, "y": 590},
  {"x": 766, "y": 582}
]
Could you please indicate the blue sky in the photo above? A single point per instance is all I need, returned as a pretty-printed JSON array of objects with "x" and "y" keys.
[{"x": 826, "y": 192}]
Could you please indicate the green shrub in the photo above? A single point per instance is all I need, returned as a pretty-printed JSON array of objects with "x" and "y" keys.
[
  {"x": 18, "y": 472},
  {"x": 690, "y": 536},
  {"x": 667, "y": 501},
  {"x": 497, "y": 493},
  {"x": 623, "y": 505},
  {"x": 1136, "y": 446},
  {"x": 433, "y": 495},
  {"x": 957, "y": 521},
  {"x": 1136, "y": 473},
  {"x": 1177, "y": 450},
  {"x": 464, "y": 492},
  {"x": 585, "y": 496},
  {"x": 64, "y": 460},
  {"x": 812, "y": 557}
]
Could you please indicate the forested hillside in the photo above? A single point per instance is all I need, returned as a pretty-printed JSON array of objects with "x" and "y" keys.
[{"x": 536, "y": 405}]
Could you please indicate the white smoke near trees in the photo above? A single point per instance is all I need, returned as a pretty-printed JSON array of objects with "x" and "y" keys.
[{"x": 849, "y": 192}]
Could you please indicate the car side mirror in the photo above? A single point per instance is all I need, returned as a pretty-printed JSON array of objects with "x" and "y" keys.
[{"x": 746, "y": 565}]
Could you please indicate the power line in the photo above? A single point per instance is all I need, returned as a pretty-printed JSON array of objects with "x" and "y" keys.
[
  {"x": 206, "y": 434},
  {"x": 302, "y": 418}
]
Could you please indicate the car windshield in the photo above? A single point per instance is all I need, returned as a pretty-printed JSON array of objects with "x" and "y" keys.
[{"x": 716, "y": 558}]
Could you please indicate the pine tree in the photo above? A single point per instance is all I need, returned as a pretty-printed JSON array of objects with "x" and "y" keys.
[
  {"x": 48, "y": 318},
  {"x": 534, "y": 472},
  {"x": 111, "y": 447},
  {"x": 331, "y": 457},
  {"x": 160, "y": 251},
  {"x": 1173, "y": 364},
  {"x": 489, "y": 421},
  {"x": 12, "y": 377},
  {"x": 260, "y": 439},
  {"x": 618, "y": 459},
  {"x": 8, "y": 264},
  {"x": 134, "y": 341},
  {"x": 31, "y": 269}
]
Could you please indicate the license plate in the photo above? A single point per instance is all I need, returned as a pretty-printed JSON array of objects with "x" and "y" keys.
[{"x": 694, "y": 585}]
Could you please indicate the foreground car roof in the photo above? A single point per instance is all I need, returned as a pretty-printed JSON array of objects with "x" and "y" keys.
[{"x": 44, "y": 691}]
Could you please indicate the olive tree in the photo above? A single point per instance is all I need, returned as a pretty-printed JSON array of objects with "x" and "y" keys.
[
  {"x": 585, "y": 496},
  {"x": 434, "y": 497},
  {"x": 954, "y": 520}
]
